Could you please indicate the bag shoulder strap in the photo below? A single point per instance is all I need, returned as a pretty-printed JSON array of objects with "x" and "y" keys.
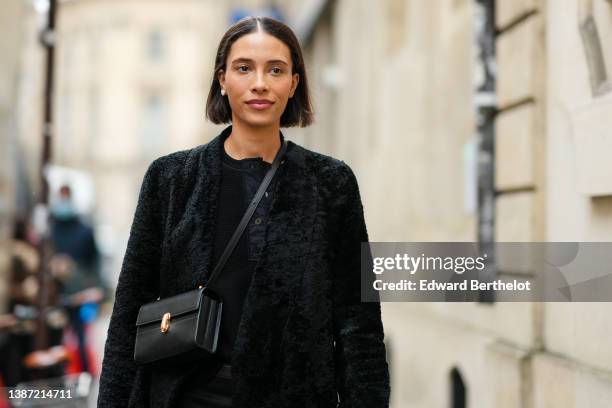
[{"x": 229, "y": 248}]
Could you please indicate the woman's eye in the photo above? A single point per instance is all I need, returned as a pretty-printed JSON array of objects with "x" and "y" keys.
[{"x": 245, "y": 68}]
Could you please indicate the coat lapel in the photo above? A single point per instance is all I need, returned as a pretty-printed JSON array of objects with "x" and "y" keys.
[{"x": 194, "y": 203}]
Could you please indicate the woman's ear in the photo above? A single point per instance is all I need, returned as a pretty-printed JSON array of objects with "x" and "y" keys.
[
  {"x": 221, "y": 78},
  {"x": 294, "y": 83}
]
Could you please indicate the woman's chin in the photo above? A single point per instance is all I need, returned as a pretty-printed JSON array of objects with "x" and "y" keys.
[{"x": 260, "y": 120}]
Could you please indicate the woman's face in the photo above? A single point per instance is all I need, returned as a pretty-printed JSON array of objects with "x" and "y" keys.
[{"x": 258, "y": 79}]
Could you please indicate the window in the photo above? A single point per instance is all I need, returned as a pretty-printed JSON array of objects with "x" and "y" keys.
[
  {"x": 458, "y": 397},
  {"x": 155, "y": 45},
  {"x": 594, "y": 21},
  {"x": 154, "y": 124}
]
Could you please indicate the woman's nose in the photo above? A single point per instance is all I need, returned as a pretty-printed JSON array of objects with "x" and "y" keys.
[{"x": 259, "y": 83}]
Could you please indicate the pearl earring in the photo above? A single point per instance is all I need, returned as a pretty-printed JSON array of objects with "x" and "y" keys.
[{"x": 222, "y": 91}]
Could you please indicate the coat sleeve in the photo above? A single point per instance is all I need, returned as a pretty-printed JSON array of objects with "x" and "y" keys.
[
  {"x": 362, "y": 374},
  {"x": 138, "y": 284}
]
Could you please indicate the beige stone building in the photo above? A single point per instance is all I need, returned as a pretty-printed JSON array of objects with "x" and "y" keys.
[
  {"x": 394, "y": 91},
  {"x": 21, "y": 73},
  {"x": 132, "y": 81}
]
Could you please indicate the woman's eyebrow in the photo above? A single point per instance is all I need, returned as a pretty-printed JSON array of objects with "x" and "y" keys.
[{"x": 272, "y": 61}]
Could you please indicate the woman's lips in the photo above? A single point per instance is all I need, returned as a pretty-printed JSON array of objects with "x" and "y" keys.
[{"x": 260, "y": 105}]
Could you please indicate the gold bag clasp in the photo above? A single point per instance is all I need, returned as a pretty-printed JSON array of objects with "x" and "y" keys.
[{"x": 165, "y": 323}]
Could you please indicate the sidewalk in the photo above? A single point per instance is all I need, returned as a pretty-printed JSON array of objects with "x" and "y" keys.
[{"x": 97, "y": 337}]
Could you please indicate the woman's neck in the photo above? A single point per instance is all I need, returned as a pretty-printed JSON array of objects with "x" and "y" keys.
[{"x": 245, "y": 142}]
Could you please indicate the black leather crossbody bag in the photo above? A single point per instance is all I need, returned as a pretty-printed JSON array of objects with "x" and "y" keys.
[{"x": 186, "y": 326}]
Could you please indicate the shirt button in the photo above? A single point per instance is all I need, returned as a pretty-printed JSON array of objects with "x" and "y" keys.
[{"x": 258, "y": 220}]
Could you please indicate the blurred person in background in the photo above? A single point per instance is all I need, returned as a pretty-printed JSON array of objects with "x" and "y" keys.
[
  {"x": 75, "y": 266},
  {"x": 294, "y": 331},
  {"x": 16, "y": 327}
]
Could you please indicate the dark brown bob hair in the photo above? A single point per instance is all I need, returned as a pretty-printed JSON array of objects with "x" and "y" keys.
[{"x": 298, "y": 111}]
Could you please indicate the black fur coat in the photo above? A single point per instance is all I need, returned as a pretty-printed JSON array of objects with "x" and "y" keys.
[{"x": 305, "y": 338}]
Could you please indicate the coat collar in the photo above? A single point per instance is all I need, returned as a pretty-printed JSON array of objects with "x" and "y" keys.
[{"x": 214, "y": 151}]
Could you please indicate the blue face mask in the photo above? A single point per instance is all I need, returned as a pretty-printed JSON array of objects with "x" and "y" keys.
[{"x": 63, "y": 210}]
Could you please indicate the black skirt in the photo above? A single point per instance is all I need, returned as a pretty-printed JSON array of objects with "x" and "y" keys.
[{"x": 215, "y": 394}]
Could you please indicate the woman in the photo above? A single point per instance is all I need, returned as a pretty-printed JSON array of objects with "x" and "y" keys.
[{"x": 295, "y": 332}]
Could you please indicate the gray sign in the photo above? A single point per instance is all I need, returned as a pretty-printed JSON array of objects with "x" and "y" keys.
[{"x": 511, "y": 272}]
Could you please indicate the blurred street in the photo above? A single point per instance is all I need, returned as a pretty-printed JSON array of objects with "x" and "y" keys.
[
  {"x": 98, "y": 337},
  {"x": 464, "y": 121}
]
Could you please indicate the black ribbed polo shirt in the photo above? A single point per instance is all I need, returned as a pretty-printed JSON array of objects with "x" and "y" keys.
[{"x": 240, "y": 181}]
